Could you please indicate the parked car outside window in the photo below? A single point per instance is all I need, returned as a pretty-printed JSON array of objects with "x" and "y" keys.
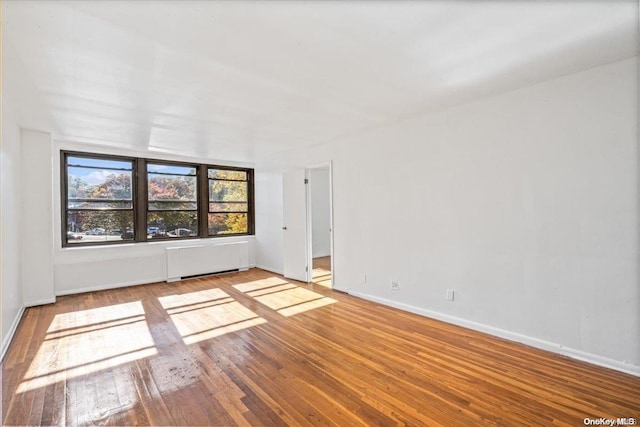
[
  {"x": 98, "y": 231},
  {"x": 73, "y": 235},
  {"x": 181, "y": 232}
]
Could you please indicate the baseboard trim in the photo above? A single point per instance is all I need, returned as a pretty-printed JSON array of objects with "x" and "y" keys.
[
  {"x": 606, "y": 362},
  {"x": 270, "y": 269},
  {"x": 110, "y": 286},
  {"x": 509, "y": 335},
  {"x": 44, "y": 301},
  {"x": 12, "y": 331}
]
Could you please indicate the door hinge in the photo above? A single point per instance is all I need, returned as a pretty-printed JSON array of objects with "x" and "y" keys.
[
  {"x": 306, "y": 181},
  {"x": 306, "y": 269}
]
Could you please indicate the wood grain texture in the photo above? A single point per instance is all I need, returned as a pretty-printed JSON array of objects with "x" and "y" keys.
[{"x": 253, "y": 348}]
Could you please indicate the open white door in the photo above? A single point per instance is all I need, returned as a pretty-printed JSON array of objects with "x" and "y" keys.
[{"x": 295, "y": 225}]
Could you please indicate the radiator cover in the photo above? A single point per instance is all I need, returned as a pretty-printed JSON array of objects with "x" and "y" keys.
[{"x": 185, "y": 261}]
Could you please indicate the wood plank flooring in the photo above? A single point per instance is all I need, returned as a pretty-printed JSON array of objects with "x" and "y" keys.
[{"x": 254, "y": 349}]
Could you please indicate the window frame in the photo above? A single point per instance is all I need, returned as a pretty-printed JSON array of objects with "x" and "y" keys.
[
  {"x": 249, "y": 181},
  {"x": 197, "y": 210},
  {"x": 140, "y": 198},
  {"x": 65, "y": 194}
]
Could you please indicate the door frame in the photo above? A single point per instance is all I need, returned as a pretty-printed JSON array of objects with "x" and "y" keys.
[
  {"x": 323, "y": 165},
  {"x": 294, "y": 220}
]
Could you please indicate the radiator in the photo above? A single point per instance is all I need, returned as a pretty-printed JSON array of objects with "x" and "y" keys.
[{"x": 186, "y": 261}]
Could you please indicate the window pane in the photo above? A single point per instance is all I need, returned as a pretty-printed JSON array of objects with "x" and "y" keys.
[
  {"x": 91, "y": 204},
  {"x": 98, "y": 184},
  {"x": 227, "y": 191},
  {"x": 99, "y": 163},
  {"x": 174, "y": 188},
  {"x": 227, "y": 223},
  {"x": 227, "y": 174},
  {"x": 99, "y": 226},
  {"x": 172, "y": 206},
  {"x": 165, "y": 224},
  {"x": 228, "y": 207},
  {"x": 171, "y": 169}
]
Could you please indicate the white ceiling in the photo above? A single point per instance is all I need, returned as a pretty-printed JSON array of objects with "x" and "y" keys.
[{"x": 245, "y": 80}]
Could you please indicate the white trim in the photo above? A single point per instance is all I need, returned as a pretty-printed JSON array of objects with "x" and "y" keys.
[
  {"x": 44, "y": 301},
  {"x": 509, "y": 335},
  {"x": 595, "y": 359},
  {"x": 270, "y": 269},
  {"x": 322, "y": 165},
  {"x": 309, "y": 225},
  {"x": 7, "y": 340},
  {"x": 111, "y": 286}
]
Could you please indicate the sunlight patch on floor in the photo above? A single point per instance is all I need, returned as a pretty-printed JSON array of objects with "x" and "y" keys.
[
  {"x": 285, "y": 297},
  {"x": 306, "y": 306},
  {"x": 271, "y": 290},
  {"x": 294, "y": 300},
  {"x": 87, "y": 341},
  {"x": 322, "y": 277},
  {"x": 193, "y": 298},
  {"x": 260, "y": 284},
  {"x": 207, "y": 314}
]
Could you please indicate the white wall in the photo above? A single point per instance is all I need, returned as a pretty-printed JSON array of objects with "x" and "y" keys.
[
  {"x": 105, "y": 267},
  {"x": 525, "y": 204},
  {"x": 320, "y": 212},
  {"x": 10, "y": 240},
  {"x": 36, "y": 230}
]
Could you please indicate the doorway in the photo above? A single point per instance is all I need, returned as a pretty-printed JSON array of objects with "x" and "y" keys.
[
  {"x": 308, "y": 225},
  {"x": 320, "y": 229}
]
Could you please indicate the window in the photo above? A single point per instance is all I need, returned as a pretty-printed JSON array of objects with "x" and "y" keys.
[
  {"x": 228, "y": 201},
  {"x": 99, "y": 199},
  {"x": 110, "y": 200},
  {"x": 172, "y": 208}
]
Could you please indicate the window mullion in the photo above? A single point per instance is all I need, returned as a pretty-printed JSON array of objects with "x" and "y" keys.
[
  {"x": 140, "y": 207},
  {"x": 250, "y": 203},
  {"x": 64, "y": 181},
  {"x": 203, "y": 201}
]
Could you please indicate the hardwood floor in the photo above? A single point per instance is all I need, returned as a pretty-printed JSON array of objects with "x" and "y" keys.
[
  {"x": 321, "y": 273},
  {"x": 255, "y": 349}
]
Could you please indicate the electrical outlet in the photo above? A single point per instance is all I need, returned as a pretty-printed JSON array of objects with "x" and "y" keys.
[
  {"x": 395, "y": 286},
  {"x": 450, "y": 294}
]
